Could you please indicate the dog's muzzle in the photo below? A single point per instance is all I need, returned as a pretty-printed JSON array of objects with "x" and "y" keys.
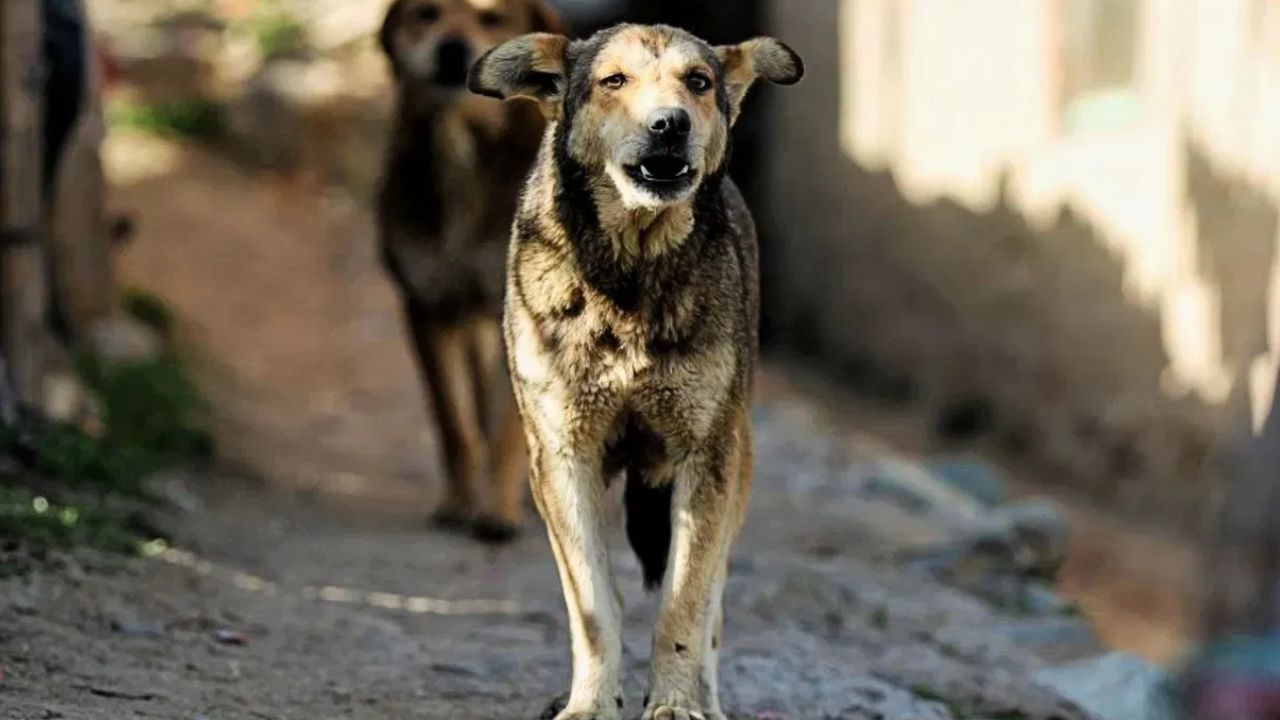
[
  {"x": 453, "y": 61},
  {"x": 664, "y": 168}
]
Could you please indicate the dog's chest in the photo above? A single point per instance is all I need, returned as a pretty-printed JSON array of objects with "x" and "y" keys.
[
  {"x": 445, "y": 183},
  {"x": 669, "y": 359},
  {"x": 595, "y": 335},
  {"x": 589, "y": 343}
]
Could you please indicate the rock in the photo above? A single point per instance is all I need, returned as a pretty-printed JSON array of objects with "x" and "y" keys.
[
  {"x": 974, "y": 478},
  {"x": 971, "y": 689},
  {"x": 1040, "y": 599},
  {"x": 65, "y": 398},
  {"x": 1041, "y": 530},
  {"x": 1028, "y": 539},
  {"x": 173, "y": 489},
  {"x": 978, "y": 555},
  {"x": 875, "y": 699},
  {"x": 1113, "y": 687},
  {"x": 455, "y": 669},
  {"x": 120, "y": 339},
  {"x": 811, "y": 600},
  {"x": 1057, "y": 639},
  {"x": 914, "y": 488},
  {"x": 133, "y": 629},
  {"x": 1000, "y": 558},
  {"x": 225, "y": 636}
]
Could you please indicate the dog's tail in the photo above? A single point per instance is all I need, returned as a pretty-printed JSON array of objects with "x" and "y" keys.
[{"x": 649, "y": 525}]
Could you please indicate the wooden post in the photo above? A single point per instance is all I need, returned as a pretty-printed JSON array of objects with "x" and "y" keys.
[
  {"x": 79, "y": 237},
  {"x": 23, "y": 287}
]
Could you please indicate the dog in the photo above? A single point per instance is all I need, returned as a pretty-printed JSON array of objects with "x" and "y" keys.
[
  {"x": 453, "y": 171},
  {"x": 630, "y": 324}
]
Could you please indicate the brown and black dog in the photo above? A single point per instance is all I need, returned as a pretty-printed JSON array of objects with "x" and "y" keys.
[
  {"x": 454, "y": 171},
  {"x": 631, "y": 314}
]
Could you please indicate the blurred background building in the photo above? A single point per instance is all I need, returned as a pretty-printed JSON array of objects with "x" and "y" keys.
[{"x": 1052, "y": 223}]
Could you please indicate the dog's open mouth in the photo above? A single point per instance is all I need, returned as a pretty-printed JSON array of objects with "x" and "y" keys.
[{"x": 662, "y": 172}]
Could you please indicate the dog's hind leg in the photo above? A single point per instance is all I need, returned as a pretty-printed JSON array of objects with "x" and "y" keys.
[
  {"x": 569, "y": 492},
  {"x": 484, "y": 338},
  {"x": 443, "y": 357},
  {"x": 500, "y": 517},
  {"x": 505, "y": 515},
  {"x": 707, "y": 508}
]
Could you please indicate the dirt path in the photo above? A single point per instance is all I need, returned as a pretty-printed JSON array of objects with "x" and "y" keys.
[
  {"x": 350, "y": 609},
  {"x": 315, "y": 591}
]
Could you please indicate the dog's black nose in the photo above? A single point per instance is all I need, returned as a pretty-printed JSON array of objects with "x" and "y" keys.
[
  {"x": 453, "y": 60},
  {"x": 670, "y": 123}
]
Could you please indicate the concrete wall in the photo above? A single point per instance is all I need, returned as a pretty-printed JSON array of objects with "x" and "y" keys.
[{"x": 1085, "y": 272}]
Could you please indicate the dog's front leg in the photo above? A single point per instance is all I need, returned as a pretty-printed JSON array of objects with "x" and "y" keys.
[
  {"x": 706, "y": 509},
  {"x": 569, "y": 492}
]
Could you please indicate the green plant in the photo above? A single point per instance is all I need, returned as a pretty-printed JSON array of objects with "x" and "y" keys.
[
  {"x": 74, "y": 510},
  {"x": 47, "y": 524},
  {"x": 152, "y": 417},
  {"x": 277, "y": 33},
  {"x": 151, "y": 409},
  {"x": 149, "y": 309},
  {"x": 197, "y": 119},
  {"x": 67, "y": 453}
]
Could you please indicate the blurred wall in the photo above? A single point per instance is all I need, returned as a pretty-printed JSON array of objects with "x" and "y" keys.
[{"x": 1051, "y": 222}]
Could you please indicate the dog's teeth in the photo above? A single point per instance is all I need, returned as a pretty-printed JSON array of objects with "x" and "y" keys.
[
  {"x": 644, "y": 172},
  {"x": 683, "y": 171}
]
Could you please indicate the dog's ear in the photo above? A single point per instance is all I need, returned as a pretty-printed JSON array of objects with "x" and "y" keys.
[
  {"x": 546, "y": 19},
  {"x": 762, "y": 57},
  {"x": 387, "y": 35},
  {"x": 530, "y": 66}
]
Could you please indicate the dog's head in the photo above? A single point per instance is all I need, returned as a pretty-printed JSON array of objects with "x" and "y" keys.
[
  {"x": 649, "y": 106},
  {"x": 434, "y": 42}
]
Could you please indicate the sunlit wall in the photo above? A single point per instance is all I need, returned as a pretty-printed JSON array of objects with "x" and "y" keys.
[{"x": 1157, "y": 120}]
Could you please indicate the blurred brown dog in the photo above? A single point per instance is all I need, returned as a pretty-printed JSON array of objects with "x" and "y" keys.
[{"x": 454, "y": 170}]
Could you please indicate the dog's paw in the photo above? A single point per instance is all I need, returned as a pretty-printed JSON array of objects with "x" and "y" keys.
[
  {"x": 556, "y": 707},
  {"x": 676, "y": 708},
  {"x": 452, "y": 520},
  {"x": 674, "y": 712},
  {"x": 494, "y": 530},
  {"x": 558, "y": 710}
]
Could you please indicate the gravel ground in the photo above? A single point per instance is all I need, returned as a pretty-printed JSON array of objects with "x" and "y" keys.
[{"x": 293, "y": 607}]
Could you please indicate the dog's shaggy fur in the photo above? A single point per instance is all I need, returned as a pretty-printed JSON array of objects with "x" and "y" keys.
[
  {"x": 630, "y": 322},
  {"x": 453, "y": 174}
]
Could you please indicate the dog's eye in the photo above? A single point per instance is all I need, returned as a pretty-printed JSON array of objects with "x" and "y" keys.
[
  {"x": 698, "y": 82},
  {"x": 491, "y": 19},
  {"x": 614, "y": 81},
  {"x": 427, "y": 13}
]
